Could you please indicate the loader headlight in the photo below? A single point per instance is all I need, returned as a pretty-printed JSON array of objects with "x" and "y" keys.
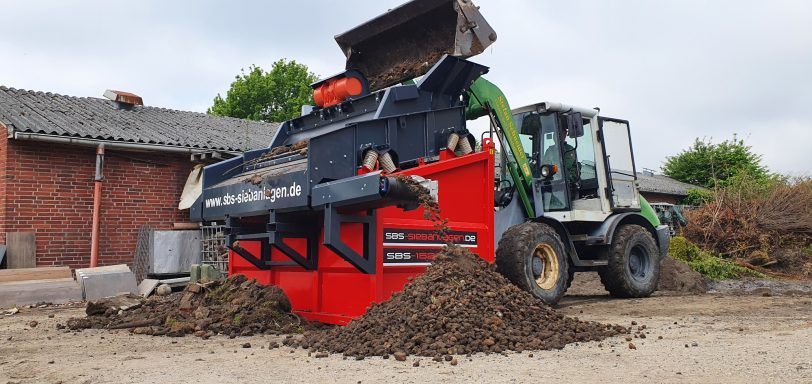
[{"x": 548, "y": 170}]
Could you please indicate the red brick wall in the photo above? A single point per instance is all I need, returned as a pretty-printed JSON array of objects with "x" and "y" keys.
[
  {"x": 3, "y": 153},
  {"x": 49, "y": 191}
]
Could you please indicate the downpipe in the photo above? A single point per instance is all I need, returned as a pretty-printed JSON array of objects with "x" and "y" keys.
[{"x": 97, "y": 196}]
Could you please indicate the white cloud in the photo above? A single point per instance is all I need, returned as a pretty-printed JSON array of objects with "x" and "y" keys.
[{"x": 676, "y": 69}]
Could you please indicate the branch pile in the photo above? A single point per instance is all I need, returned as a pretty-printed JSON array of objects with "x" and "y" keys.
[{"x": 767, "y": 227}]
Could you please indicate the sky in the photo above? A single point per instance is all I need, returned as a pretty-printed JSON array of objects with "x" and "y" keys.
[{"x": 677, "y": 70}]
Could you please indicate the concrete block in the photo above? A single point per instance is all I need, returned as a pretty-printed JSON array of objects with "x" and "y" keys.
[
  {"x": 203, "y": 273},
  {"x": 209, "y": 273},
  {"x": 100, "y": 285},
  {"x": 194, "y": 273},
  {"x": 82, "y": 272},
  {"x": 174, "y": 251},
  {"x": 147, "y": 286},
  {"x": 56, "y": 291}
]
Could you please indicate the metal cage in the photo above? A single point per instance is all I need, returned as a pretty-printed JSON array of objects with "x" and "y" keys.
[{"x": 214, "y": 249}]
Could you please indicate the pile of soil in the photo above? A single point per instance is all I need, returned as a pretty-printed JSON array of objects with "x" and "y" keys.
[
  {"x": 677, "y": 276},
  {"x": 460, "y": 305},
  {"x": 235, "y": 307}
]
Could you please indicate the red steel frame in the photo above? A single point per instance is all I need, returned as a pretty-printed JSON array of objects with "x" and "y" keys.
[{"x": 336, "y": 292}]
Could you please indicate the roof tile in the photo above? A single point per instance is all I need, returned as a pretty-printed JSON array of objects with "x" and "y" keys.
[{"x": 95, "y": 118}]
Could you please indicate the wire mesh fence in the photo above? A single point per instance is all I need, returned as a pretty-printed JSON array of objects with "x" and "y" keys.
[
  {"x": 214, "y": 248},
  {"x": 141, "y": 257}
]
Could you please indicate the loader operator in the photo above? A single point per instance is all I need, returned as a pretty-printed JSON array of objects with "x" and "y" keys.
[
  {"x": 551, "y": 156},
  {"x": 556, "y": 199}
]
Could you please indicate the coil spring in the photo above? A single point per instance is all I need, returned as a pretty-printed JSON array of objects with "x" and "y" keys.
[
  {"x": 386, "y": 162},
  {"x": 370, "y": 158},
  {"x": 453, "y": 139},
  {"x": 465, "y": 146}
]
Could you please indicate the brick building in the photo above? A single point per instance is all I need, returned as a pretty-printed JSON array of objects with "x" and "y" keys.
[
  {"x": 48, "y": 146},
  {"x": 661, "y": 188}
]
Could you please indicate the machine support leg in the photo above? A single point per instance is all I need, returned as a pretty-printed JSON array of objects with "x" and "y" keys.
[{"x": 332, "y": 238}]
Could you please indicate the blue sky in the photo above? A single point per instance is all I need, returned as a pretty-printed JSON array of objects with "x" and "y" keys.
[{"x": 676, "y": 69}]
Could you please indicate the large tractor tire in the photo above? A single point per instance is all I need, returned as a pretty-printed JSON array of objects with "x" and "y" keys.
[
  {"x": 634, "y": 263},
  {"x": 532, "y": 256}
]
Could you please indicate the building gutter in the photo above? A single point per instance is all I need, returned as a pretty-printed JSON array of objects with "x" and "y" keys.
[{"x": 111, "y": 144}]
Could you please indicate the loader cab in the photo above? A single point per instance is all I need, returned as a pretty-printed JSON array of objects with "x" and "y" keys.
[{"x": 582, "y": 164}]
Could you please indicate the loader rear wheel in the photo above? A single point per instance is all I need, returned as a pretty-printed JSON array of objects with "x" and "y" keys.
[
  {"x": 532, "y": 256},
  {"x": 634, "y": 263}
]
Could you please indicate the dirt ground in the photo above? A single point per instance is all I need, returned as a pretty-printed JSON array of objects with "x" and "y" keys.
[{"x": 733, "y": 335}]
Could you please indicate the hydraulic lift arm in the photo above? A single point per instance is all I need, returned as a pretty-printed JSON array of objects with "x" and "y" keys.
[{"x": 485, "y": 98}]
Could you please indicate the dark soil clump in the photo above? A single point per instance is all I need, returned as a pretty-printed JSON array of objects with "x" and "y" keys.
[
  {"x": 235, "y": 307},
  {"x": 460, "y": 305},
  {"x": 431, "y": 209},
  {"x": 677, "y": 276},
  {"x": 300, "y": 147},
  {"x": 406, "y": 70}
]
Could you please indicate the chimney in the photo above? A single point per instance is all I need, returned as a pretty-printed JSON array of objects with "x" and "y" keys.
[{"x": 125, "y": 100}]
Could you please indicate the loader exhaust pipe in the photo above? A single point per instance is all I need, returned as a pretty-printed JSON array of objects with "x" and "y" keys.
[{"x": 405, "y": 42}]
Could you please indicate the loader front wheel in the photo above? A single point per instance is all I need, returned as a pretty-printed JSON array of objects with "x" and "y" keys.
[
  {"x": 634, "y": 263},
  {"x": 532, "y": 256}
]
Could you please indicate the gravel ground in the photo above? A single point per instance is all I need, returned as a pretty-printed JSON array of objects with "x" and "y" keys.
[{"x": 708, "y": 338}]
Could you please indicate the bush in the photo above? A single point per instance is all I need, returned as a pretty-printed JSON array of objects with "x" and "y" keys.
[
  {"x": 682, "y": 249},
  {"x": 697, "y": 197},
  {"x": 717, "y": 268},
  {"x": 706, "y": 263},
  {"x": 708, "y": 164}
]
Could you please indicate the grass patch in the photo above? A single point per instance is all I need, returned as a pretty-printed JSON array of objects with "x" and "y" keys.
[{"x": 706, "y": 263}]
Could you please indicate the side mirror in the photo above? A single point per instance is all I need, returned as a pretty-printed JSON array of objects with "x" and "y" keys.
[{"x": 575, "y": 125}]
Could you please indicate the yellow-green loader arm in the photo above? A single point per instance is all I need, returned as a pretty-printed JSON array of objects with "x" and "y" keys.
[{"x": 485, "y": 98}]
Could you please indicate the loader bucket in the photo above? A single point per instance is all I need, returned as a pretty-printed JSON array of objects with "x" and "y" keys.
[{"x": 405, "y": 42}]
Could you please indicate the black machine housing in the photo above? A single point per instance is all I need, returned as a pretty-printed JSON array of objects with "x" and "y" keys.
[{"x": 261, "y": 196}]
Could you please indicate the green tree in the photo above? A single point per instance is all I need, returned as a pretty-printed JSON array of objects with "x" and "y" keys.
[
  {"x": 276, "y": 95},
  {"x": 711, "y": 165}
]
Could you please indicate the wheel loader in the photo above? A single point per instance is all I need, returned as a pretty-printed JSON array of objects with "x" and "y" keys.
[{"x": 325, "y": 212}]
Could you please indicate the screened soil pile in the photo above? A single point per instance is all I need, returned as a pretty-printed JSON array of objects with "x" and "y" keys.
[
  {"x": 460, "y": 305},
  {"x": 677, "y": 276},
  {"x": 235, "y": 307}
]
